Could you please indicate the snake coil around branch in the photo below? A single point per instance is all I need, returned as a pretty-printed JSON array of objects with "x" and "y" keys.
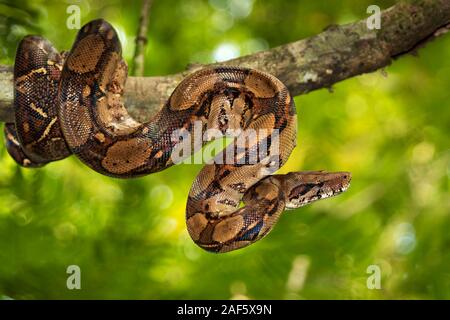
[{"x": 71, "y": 103}]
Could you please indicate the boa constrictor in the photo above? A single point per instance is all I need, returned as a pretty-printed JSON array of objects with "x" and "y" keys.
[{"x": 72, "y": 103}]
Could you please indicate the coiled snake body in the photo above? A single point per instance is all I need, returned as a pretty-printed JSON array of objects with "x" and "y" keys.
[{"x": 72, "y": 103}]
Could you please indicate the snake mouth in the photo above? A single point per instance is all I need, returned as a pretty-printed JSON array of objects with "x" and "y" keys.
[{"x": 343, "y": 189}]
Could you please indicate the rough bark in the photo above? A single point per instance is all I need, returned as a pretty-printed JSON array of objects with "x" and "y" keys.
[{"x": 338, "y": 53}]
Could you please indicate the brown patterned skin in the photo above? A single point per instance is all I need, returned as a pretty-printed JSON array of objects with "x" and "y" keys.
[
  {"x": 75, "y": 106},
  {"x": 36, "y": 138}
]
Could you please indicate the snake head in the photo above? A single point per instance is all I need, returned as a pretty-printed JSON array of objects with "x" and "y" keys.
[{"x": 303, "y": 188}]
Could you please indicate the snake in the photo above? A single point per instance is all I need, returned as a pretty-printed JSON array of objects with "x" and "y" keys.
[{"x": 71, "y": 103}]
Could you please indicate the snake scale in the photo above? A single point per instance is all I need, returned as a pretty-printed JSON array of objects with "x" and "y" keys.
[{"x": 71, "y": 103}]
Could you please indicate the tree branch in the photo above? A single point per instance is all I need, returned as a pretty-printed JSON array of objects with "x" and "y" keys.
[
  {"x": 338, "y": 53},
  {"x": 141, "y": 39}
]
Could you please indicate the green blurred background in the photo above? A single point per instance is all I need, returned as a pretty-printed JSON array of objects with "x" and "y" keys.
[{"x": 389, "y": 128}]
